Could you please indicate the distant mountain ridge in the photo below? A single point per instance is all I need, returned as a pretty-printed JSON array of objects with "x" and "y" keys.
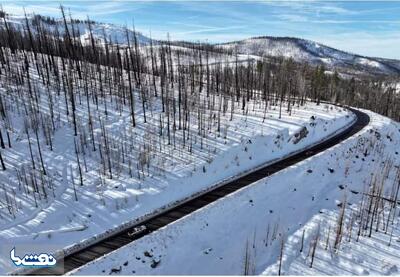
[
  {"x": 300, "y": 50},
  {"x": 303, "y": 50}
]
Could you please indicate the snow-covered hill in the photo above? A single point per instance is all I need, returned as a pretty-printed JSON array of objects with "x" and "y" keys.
[
  {"x": 100, "y": 31},
  {"x": 302, "y": 50}
]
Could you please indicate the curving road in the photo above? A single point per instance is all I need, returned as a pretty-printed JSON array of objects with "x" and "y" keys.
[{"x": 100, "y": 248}]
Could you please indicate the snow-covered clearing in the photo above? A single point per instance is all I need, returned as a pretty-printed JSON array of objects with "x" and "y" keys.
[
  {"x": 243, "y": 232},
  {"x": 375, "y": 255},
  {"x": 148, "y": 173}
]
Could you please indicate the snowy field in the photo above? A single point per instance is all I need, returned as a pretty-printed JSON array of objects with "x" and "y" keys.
[{"x": 245, "y": 232}]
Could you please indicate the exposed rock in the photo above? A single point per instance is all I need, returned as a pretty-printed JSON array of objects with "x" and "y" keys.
[
  {"x": 300, "y": 135},
  {"x": 116, "y": 270},
  {"x": 155, "y": 263}
]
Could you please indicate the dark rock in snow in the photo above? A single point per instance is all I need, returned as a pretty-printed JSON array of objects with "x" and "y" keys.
[
  {"x": 300, "y": 135},
  {"x": 115, "y": 270},
  {"x": 155, "y": 263},
  {"x": 147, "y": 254}
]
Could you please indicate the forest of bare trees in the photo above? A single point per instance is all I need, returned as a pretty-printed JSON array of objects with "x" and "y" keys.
[{"x": 51, "y": 77}]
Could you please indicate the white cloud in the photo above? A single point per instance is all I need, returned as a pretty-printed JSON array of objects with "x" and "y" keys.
[
  {"x": 293, "y": 17},
  {"x": 52, "y": 10},
  {"x": 79, "y": 11}
]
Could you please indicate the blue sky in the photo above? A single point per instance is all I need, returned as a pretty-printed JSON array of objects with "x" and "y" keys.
[{"x": 369, "y": 28}]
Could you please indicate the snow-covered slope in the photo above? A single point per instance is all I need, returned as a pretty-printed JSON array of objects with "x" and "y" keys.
[
  {"x": 103, "y": 204},
  {"x": 251, "y": 225},
  {"x": 302, "y": 50},
  {"x": 139, "y": 180}
]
